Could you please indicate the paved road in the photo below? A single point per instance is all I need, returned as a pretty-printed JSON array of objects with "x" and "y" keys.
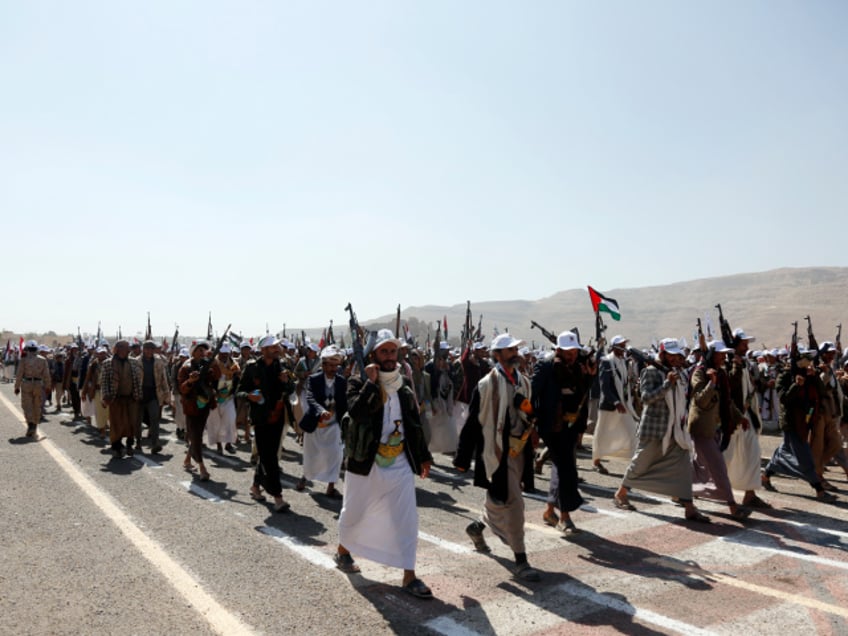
[{"x": 95, "y": 545}]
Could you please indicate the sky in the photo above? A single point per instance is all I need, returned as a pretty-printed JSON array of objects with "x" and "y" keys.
[{"x": 272, "y": 161}]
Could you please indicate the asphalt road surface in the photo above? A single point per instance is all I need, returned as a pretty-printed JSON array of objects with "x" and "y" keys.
[{"x": 97, "y": 545}]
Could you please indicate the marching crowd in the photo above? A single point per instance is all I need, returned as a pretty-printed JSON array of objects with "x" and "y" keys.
[{"x": 688, "y": 421}]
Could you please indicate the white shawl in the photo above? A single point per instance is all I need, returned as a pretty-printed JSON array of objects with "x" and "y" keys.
[
  {"x": 493, "y": 415},
  {"x": 675, "y": 400}
]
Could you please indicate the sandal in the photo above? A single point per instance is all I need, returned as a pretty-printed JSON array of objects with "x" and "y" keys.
[
  {"x": 345, "y": 563},
  {"x": 204, "y": 475},
  {"x": 765, "y": 480},
  {"x": 756, "y": 502},
  {"x": 601, "y": 469},
  {"x": 418, "y": 589},
  {"x": 550, "y": 518},
  {"x": 826, "y": 497},
  {"x": 568, "y": 527},
  {"x": 257, "y": 495},
  {"x": 699, "y": 516},
  {"x": 525, "y": 572},
  {"x": 741, "y": 513},
  {"x": 282, "y": 507},
  {"x": 623, "y": 504},
  {"x": 301, "y": 485}
]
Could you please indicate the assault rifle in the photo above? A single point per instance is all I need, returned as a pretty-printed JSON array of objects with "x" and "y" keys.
[
  {"x": 548, "y": 334},
  {"x": 100, "y": 334},
  {"x": 644, "y": 360},
  {"x": 468, "y": 327},
  {"x": 478, "y": 335},
  {"x": 726, "y": 331},
  {"x": 397, "y": 322},
  {"x": 811, "y": 339},
  {"x": 437, "y": 343},
  {"x": 839, "y": 339},
  {"x": 331, "y": 339},
  {"x": 174, "y": 346},
  {"x": 149, "y": 333},
  {"x": 702, "y": 341},
  {"x": 356, "y": 337}
]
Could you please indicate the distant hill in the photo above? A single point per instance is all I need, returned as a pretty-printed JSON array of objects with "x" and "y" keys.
[{"x": 763, "y": 303}]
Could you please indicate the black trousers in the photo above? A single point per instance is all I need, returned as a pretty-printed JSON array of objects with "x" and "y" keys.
[
  {"x": 563, "y": 454},
  {"x": 267, "y": 436},
  {"x": 75, "y": 398},
  {"x": 195, "y": 425}
]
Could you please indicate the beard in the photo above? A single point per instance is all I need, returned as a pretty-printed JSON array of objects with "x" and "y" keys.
[{"x": 388, "y": 365}]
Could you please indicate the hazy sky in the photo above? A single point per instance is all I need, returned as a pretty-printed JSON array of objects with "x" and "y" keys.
[{"x": 271, "y": 161}]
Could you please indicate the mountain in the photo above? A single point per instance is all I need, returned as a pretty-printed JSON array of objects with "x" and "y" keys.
[{"x": 763, "y": 303}]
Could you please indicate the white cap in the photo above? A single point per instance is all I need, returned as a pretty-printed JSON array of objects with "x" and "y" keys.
[
  {"x": 183, "y": 352},
  {"x": 226, "y": 348},
  {"x": 31, "y": 344},
  {"x": 671, "y": 346},
  {"x": 101, "y": 349},
  {"x": 444, "y": 345},
  {"x": 781, "y": 352},
  {"x": 479, "y": 345},
  {"x": 803, "y": 351},
  {"x": 617, "y": 340},
  {"x": 524, "y": 351},
  {"x": 739, "y": 334},
  {"x": 385, "y": 336},
  {"x": 268, "y": 341},
  {"x": 504, "y": 341},
  {"x": 567, "y": 340},
  {"x": 718, "y": 346},
  {"x": 330, "y": 351},
  {"x": 826, "y": 346},
  {"x": 245, "y": 344}
]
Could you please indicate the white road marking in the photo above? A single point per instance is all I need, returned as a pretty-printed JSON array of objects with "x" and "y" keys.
[
  {"x": 647, "y": 616},
  {"x": 146, "y": 461},
  {"x": 448, "y": 626},
  {"x": 294, "y": 544},
  {"x": 200, "y": 492},
  {"x": 450, "y": 546},
  {"x": 757, "y": 544},
  {"x": 190, "y": 588}
]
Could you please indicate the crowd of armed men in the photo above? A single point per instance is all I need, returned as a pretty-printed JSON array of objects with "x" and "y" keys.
[{"x": 688, "y": 421}]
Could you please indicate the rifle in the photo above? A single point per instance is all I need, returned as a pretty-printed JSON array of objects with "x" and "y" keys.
[
  {"x": 468, "y": 328},
  {"x": 479, "y": 333},
  {"x": 600, "y": 339},
  {"x": 702, "y": 341},
  {"x": 645, "y": 360},
  {"x": 811, "y": 339},
  {"x": 839, "y": 339},
  {"x": 437, "y": 343},
  {"x": 548, "y": 334},
  {"x": 100, "y": 335},
  {"x": 330, "y": 337},
  {"x": 174, "y": 345},
  {"x": 726, "y": 332},
  {"x": 209, "y": 333},
  {"x": 149, "y": 334},
  {"x": 397, "y": 322},
  {"x": 79, "y": 340},
  {"x": 284, "y": 331},
  {"x": 356, "y": 336}
]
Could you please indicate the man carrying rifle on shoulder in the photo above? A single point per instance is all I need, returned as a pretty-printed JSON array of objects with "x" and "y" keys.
[
  {"x": 742, "y": 452},
  {"x": 827, "y": 440},
  {"x": 800, "y": 390}
]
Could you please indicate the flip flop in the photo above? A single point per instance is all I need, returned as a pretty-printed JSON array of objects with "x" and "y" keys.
[
  {"x": 550, "y": 519},
  {"x": 257, "y": 496},
  {"x": 418, "y": 589},
  {"x": 623, "y": 504},
  {"x": 756, "y": 502},
  {"x": 345, "y": 563},
  {"x": 699, "y": 517}
]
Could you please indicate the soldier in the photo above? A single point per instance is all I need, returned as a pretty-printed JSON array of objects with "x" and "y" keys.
[
  {"x": 826, "y": 439},
  {"x": 155, "y": 393},
  {"x": 31, "y": 381}
]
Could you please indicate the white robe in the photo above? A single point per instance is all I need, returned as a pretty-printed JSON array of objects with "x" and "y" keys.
[
  {"x": 379, "y": 518},
  {"x": 742, "y": 454},
  {"x": 615, "y": 433},
  {"x": 221, "y": 424},
  {"x": 322, "y": 454}
]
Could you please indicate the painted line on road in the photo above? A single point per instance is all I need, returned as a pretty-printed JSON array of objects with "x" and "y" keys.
[
  {"x": 448, "y": 626},
  {"x": 809, "y": 526},
  {"x": 450, "y": 546},
  {"x": 647, "y": 616},
  {"x": 200, "y": 492},
  {"x": 190, "y": 588},
  {"x": 294, "y": 544},
  {"x": 812, "y": 558},
  {"x": 150, "y": 463}
]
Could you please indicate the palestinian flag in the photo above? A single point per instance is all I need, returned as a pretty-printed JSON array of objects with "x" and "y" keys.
[{"x": 603, "y": 303}]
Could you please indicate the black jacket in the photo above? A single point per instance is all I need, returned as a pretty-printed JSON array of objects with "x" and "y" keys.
[{"x": 362, "y": 426}]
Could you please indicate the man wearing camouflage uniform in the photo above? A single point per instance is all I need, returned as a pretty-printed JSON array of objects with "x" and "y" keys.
[{"x": 31, "y": 381}]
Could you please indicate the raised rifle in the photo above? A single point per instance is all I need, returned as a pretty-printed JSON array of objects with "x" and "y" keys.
[
  {"x": 811, "y": 339},
  {"x": 702, "y": 340},
  {"x": 79, "y": 341},
  {"x": 478, "y": 335},
  {"x": 356, "y": 336},
  {"x": 100, "y": 334},
  {"x": 548, "y": 334},
  {"x": 397, "y": 322},
  {"x": 437, "y": 343},
  {"x": 149, "y": 334},
  {"x": 600, "y": 338},
  {"x": 468, "y": 328},
  {"x": 331, "y": 339},
  {"x": 839, "y": 339},
  {"x": 174, "y": 346},
  {"x": 726, "y": 331},
  {"x": 645, "y": 360},
  {"x": 209, "y": 332}
]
